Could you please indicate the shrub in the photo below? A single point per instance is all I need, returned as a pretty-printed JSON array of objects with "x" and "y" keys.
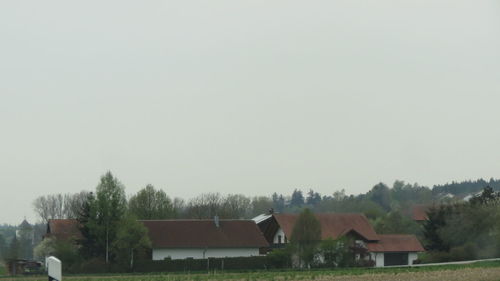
[
  {"x": 279, "y": 258},
  {"x": 94, "y": 265}
]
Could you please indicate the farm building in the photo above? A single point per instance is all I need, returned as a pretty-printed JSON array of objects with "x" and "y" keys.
[
  {"x": 180, "y": 239},
  {"x": 384, "y": 250},
  {"x": 63, "y": 229},
  {"x": 419, "y": 212}
]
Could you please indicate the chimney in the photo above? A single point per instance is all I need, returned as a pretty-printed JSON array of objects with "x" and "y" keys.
[{"x": 216, "y": 221}]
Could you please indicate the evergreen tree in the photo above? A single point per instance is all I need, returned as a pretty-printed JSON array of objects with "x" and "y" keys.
[
  {"x": 297, "y": 198},
  {"x": 278, "y": 202},
  {"x": 87, "y": 219},
  {"x": 14, "y": 251},
  {"x": 3, "y": 247},
  {"x": 486, "y": 197},
  {"x": 101, "y": 217},
  {"x": 436, "y": 219},
  {"x": 380, "y": 195},
  {"x": 313, "y": 198}
]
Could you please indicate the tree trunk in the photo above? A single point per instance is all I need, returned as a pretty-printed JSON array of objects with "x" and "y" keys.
[
  {"x": 131, "y": 259},
  {"x": 107, "y": 242}
]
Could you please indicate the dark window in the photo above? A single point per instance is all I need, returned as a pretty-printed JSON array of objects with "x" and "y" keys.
[
  {"x": 279, "y": 239},
  {"x": 395, "y": 259}
]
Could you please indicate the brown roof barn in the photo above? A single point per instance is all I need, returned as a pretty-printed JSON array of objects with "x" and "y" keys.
[
  {"x": 63, "y": 229},
  {"x": 332, "y": 225},
  {"x": 419, "y": 212},
  {"x": 395, "y": 243},
  {"x": 204, "y": 234}
]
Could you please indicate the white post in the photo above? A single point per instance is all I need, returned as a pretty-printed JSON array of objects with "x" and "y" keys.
[{"x": 54, "y": 269}]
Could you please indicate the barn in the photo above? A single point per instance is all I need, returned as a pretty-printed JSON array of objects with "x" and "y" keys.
[{"x": 198, "y": 239}]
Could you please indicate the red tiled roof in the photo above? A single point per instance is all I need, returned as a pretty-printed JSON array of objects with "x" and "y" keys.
[
  {"x": 419, "y": 212},
  {"x": 204, "y": 234},
  {"x": 333, "y": 225},
  {"x": 395, "y": 243},
  {"x": 63, "y": 229}
]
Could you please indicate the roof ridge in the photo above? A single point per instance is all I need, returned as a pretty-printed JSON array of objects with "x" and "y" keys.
[{"x": 249, "y": 220}]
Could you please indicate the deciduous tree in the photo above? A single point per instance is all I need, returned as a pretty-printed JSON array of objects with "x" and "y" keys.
[
  {"x": 149, "y": 204},
  {"x": 306, "y": 235},
  {"x": 131, "y": 236}
]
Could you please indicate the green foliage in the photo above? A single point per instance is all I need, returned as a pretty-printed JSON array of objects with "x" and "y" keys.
[
  {"x": 131, "y": 236},
  {"x": 380, "y": 194},
  {"x": 280, "y": 258},
  {"x": 235, "y": 206},
  {"x": 3, "y": 247},
  {"x": 101, "y": 216},
  {"x": 466, "y": 187},
  {"x": 149, "y": 204},
  {"x": 337, "y": 252},
  {"x": 306, "y": 235},
  {"x": 340, "y": 203},
  {"x": 487, "y": 197},
  {"x": 297, "y": 198},
  {"x": 261, "y": 205},
  {"x": 395, "y": 222},
  {"x": 14, "y": 251},
  {"x": 436, "y": 220},
  {"x": 110, "y": 207},
  {"x": 465, "y": 230},
  {"x": 88, "y": 227},
  {"x": 67, "y": 252},
  {"x": 45, "y": 248}
]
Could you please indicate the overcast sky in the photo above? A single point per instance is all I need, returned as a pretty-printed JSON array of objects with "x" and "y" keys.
[{"x": 245, "y": 96}]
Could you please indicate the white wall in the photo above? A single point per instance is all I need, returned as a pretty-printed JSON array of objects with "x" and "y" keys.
[
  {"x": 378, "y": 258},
  {"x": 200, "y": 253},
  {"x": 412, "y": 257},
  {"x": 279, "y": 232}
]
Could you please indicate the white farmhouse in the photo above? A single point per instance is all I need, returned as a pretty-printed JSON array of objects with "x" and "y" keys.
[
  {"x": 383, "y": 250},
  {"x": 198, "y": 239}
]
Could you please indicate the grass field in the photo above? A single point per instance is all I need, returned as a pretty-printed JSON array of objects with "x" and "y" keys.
[
  {"x": 2, "y": 269},
  {"x": 487, "y": 271}
]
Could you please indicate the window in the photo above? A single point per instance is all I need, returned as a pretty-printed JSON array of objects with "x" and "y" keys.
[{"x": 279, "y": 239}]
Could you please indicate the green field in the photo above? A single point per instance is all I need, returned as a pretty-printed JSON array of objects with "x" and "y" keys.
[{"x": 479, "y": 271}]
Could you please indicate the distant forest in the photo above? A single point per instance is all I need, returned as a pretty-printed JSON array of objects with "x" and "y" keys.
[
  {"x": 466, "y": 187},
  {"x": 380, "y": 199}
]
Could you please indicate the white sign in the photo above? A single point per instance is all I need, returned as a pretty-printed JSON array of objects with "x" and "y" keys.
[{"x": 54, "y": 268}]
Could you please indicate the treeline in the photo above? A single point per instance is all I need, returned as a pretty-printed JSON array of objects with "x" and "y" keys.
[
  {"x": 153, "y": 203},
  {"x": 464, "y": 230},
  {"x": 466, "y": 187},
  {"x": 388, "y": 208},
  {"x": 380, "y": 200}
]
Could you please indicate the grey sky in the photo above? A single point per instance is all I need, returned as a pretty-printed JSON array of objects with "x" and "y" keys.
[{"x": 245, "y": 96}]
